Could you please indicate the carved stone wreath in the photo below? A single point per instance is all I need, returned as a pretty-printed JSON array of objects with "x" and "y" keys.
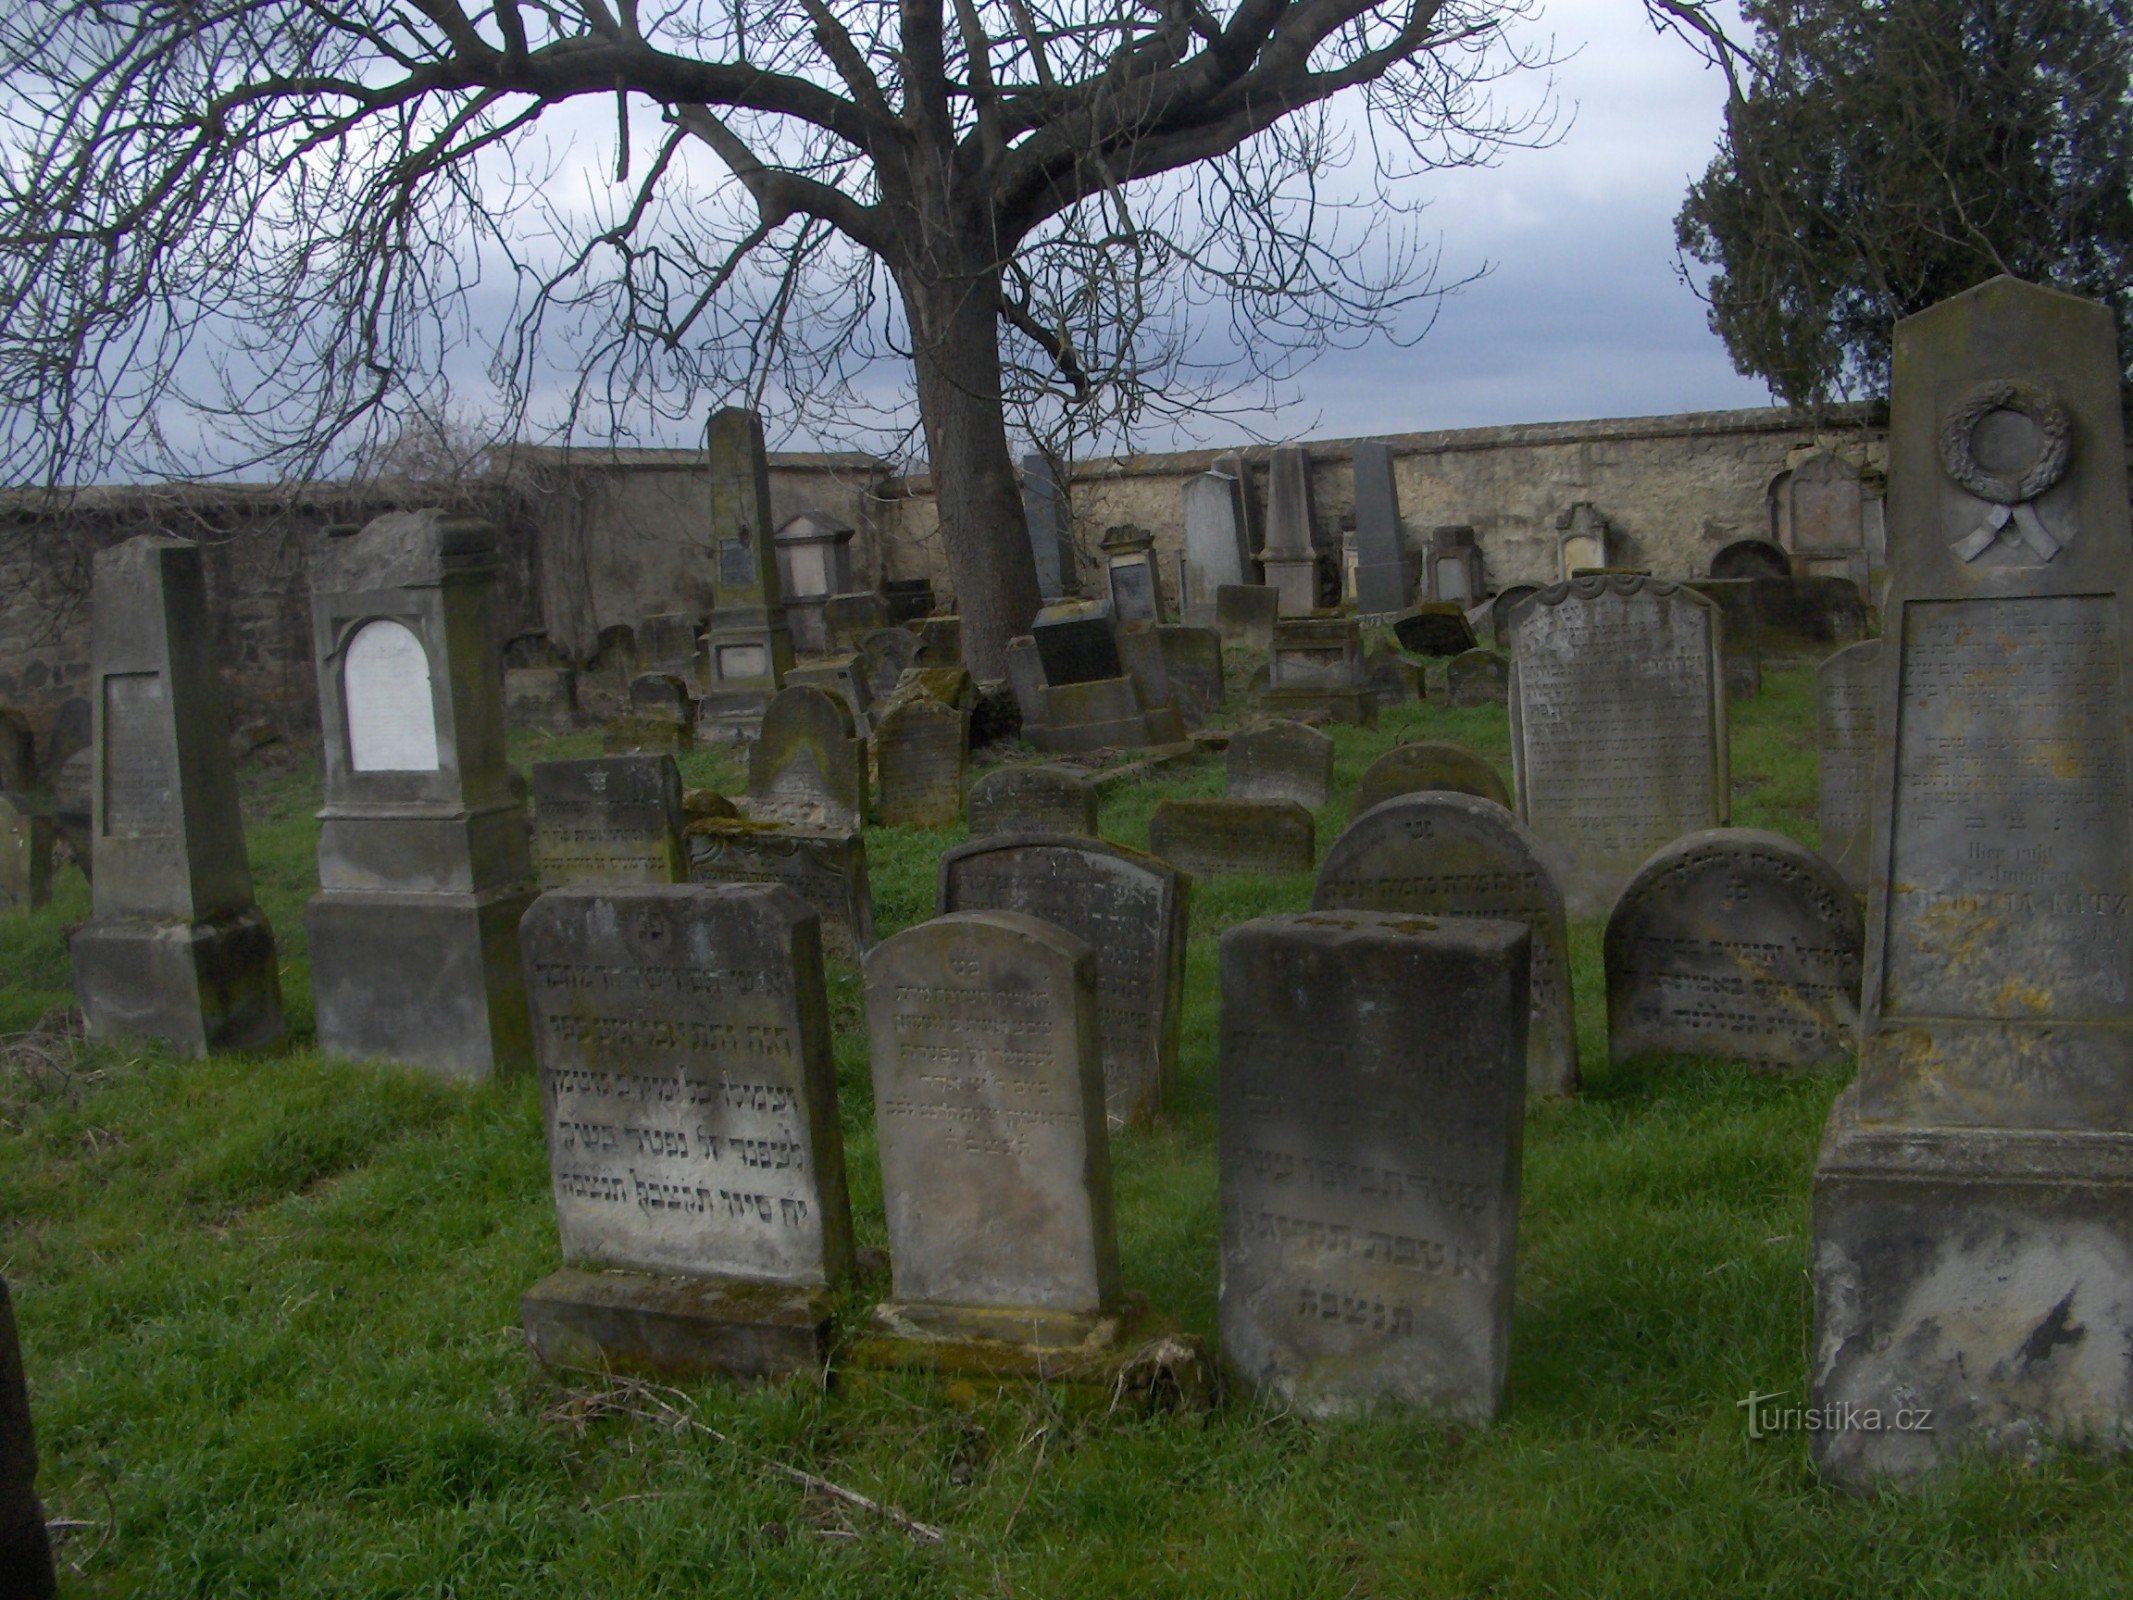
[{"x": 2033, "y": 401}]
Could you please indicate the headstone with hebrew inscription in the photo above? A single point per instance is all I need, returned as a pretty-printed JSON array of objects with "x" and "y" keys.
[
  {"x": 1130, "y": 908},
  {"x": 1845, "y": 688},
  {"x": 827, "y": 870},
  {"x": 1734, "y": 943},
  {"x": 1280, "y": 760},
  {"x": 175, "y": 947},
  {"x": 1441, "y": 854},
  {"x": 919, "y": 751},
  {"x": 808, "y": 767},
  {"x": 1031, "y": 799},
  {"x": 690, "y": 1102},
  {"x": 1213, "y": 837},
  {"x": 612, "y": 820},
  {"x": 423, "y": 861},
  {"x": 988, "y": 1104},
  {"x": 1427, "y": 764},
  {"x": 1371, "y": 1099},
  {"x": 1974, "y": 1196},
  {"x": 1618, "y": 727}
]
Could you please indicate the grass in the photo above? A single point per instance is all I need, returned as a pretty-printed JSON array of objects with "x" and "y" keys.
[{"x": 269, "y": 1312}]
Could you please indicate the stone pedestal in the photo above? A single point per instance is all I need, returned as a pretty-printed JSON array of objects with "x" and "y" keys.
[
  {"x": 175, "y": 948},
  {"x": 668, "y": 1326}
]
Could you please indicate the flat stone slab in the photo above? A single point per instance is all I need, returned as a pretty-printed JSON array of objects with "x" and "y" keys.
[
  {"x": 1128, "y": 1354},
  {"x": 1435, "y": 628},
  {"x": 1735, "y": 943},
  {"x": 666, "y": 1326},
  {"x": 1227, "y": 836}
]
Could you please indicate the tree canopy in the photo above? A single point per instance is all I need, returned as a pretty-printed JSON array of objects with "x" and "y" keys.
[{"x": 1881, "y": 155}]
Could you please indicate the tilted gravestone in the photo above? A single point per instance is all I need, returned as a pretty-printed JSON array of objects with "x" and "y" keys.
[
  {"x": 1618, "y": 727},
  {"x": 1385, "y": 571},
  {"x": 1427, "y": 764},
  {"x": 1031, "y": 799},
  {"x": 995, "y": 1162},
  {"x": 25, "y": 1548},
  {"x": 1280, "y": 761},
  {"x": 690, "y": 1102},
  {"x": 808, "y": 767},
  {"x": 748, "y": 646},
  {"x": 1077, "y": 640},
  {"x": 1845, "y": 688},
  {"x": 1477, "y": 678},
  {"x": 175, "y": 948},
  {"x": 1435, "y": 628},
  {"x": 1130, "y": 908},
  {"x": 1371, "y": 1107},
  {"x": 422, "y": 856},
  {"x": 1974, "y": 1194},
  {"x": 919, "y": 750},
  {"x": 827, "y": 870},
  {"x": 672, "y": 642},
  {"x": 1441, "y": 854},
  {"x": 25, "y": 856},
  {"x": 1132, "y": 578},
  {"x": 1225, "y": 836},
  {"x": 1734, "y": 943},
  {"x": 610, "y": 820}
]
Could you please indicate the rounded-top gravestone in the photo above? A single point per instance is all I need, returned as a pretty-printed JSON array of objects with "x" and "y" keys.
[
  {"x": 1735, "y": 943},
  {"x": 1280, "y": 760},
  {"x": 808, "y": 768},
  {"x": 1031, "y": 799},
  {"x": 1427, "y": 764}
]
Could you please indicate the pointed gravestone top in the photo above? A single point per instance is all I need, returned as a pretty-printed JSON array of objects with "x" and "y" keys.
[{"x": 744, "y": 566}]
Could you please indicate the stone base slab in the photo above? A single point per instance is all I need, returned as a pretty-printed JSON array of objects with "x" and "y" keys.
[
  {"x": 433, "y": 980},
  {"x": 674, "y": 1327},
  {"x": 1973, "y": 1291},
  {"x": 1356, "y": 706},
  {"x": 1126, "y": 1352},
  {"x": 200, "y": 986}
]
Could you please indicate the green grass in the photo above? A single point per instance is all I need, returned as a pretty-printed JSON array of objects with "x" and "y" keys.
[{"x": 269, "y": 1311}]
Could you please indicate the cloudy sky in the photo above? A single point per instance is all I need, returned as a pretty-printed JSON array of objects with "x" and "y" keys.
[{"x": 1583, "y": 313}]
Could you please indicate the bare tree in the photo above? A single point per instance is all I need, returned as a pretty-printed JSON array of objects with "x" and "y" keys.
[{"x": 277, "y": 218}]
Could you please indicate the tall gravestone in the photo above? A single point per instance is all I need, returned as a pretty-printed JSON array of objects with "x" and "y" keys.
[
  {"x": 1232, "y": 465},
  {"x": 25, "y": 1549},
  {"x": 1217, "y": 551},
  {"x": 1371, "y": 1109},
  {"x": 1280, "y": 760},
  {"x": 995, "y": 1161},
  {"x": 690, "y": 1101},
  {"x": 1427, "y": 764},
  {"x": 1439, "y": 854},
  {"x": 1384, "y": 571},
  {"x": 808, "y": 767},
  {"x": 610, "y": 820},
  {"x": 919, "y": 751},
  {"x": 423, "y": 865},
  {"x": 1290, "y": 558},
  {"x": 1051, "y": 540},
  {"x": 1127, "y": 906},
  {"x": 175, "y": 948},
  {"x": 1618, "y": 727},
  {"x": 1734, "y": 943},
  {"x": 1973, "y": 1209},
  {"x": 748, "y": 647},
  {"x": 1845, "y": 688}
]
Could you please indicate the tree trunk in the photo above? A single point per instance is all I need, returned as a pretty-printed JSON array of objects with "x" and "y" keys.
[{"x": 955, "y": 332}]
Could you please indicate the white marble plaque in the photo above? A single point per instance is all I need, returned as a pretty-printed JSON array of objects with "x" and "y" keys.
[{"x": 385, "y": 688}]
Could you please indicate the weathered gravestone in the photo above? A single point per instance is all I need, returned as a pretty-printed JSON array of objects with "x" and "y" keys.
[
  {"x": 748, "y": 646},
  {"x": 1223, "y": 836},
  {"x": 1740, "y": 633},
  {"x": 849, "y": 618},
  {"x": 1507, "y": 601},
  {"x": 1442, "y": 854},
  {"x": 843, "y": 677},
  {"x": 1130, "y": 908},
  {"x": 174, "y": 948},
  {"x": 542, "y": 697},
  {"x": 1734, "y": 943},
  {"x": 1582, "y": 540},
  {"x": 1427, "y": 764},
  {"x": 1290, "y": 557},
  {"x": 25, "y": 1550},
  {"x": 422, "y": 856},
  {"x": 1618, "y": 727},
  {"x": 995, "y": 1163},
  {"x": 1455, "y": 568},
  {"x": 18, "y": 751},
  {"x": 1845, "y": 689},
  {"x": 610, "y": 820},
  {"x": 691, "y": 1108},
  {"x": 826, "y": 870},
  {"x": 1385, "y": 571},
  {"x": 940, "y": 641},
  {"x": 672, "y": 642},
  {"x": 1051, "y": 540},
  {"x": 661, "y": 719},
  {"x": 1192, "y": 660},
  {"x": 888, "y": 653},
  {"x": 1280, "y": 761},
  {"x": 1135, "y": 586},
  {"x": 1317, "y": 668},
  {"x": 1371, "y": 1106},
  {"x": 1245, "y": 614},
  {"x": 1477, "y": 678},
  {"x": 814, "y": 566},
  {"x": 1750, "y": 558},
  {"x": 808, "y": 767},
  {"x": 1025, "y": 676},
  {"x": 1031, "y": 799},
  {"x": 25, "y": 855},
  {"x": 1217, "y": 549},
  {"x": 919, "y": 749},
  {"x": 1435, "y": 628},
  {"x": 1077, "y": 640},
  {"x": 1973, "y": 1209}
]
